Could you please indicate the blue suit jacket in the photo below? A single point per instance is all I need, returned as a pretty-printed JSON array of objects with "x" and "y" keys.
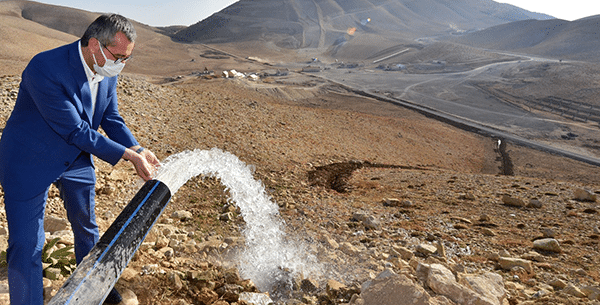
[{"x": 51, "y": 123}]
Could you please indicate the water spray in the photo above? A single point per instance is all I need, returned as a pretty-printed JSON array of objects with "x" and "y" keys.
[{"x": 270, "y": 258}]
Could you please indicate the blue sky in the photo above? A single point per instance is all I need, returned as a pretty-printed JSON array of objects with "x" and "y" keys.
[
  {"x": 562, "y": 9},
  {"x": 188, "y": 12},
  {"x": 151, "y": 12}
]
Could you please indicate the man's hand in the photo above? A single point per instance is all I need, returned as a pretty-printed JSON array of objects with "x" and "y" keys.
[
  {"x": 150, "y": 157},
  {"x": 145, "y": 162}
]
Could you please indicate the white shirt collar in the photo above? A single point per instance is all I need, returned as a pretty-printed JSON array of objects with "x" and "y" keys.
[{"x": 92, "y": 77}]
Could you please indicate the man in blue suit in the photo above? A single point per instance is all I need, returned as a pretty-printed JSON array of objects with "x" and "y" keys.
[{"x": 65, "y": 95}]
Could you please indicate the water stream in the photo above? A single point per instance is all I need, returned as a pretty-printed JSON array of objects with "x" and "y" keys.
[{"x": 270, "y": 258}]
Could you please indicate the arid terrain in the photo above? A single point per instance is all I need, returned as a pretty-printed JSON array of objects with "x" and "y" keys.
[{"x": 365, "y": 185}]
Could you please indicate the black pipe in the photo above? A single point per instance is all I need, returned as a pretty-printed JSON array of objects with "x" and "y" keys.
[{"x": 96, "y": 275}]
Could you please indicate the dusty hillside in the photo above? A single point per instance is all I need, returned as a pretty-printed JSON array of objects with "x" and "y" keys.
[
  {"x": 367, "y": 186},
  {"x": 301, "y": 139},
  {"x": 556, "y": 38},
  {"x": 322, "y": 25}
]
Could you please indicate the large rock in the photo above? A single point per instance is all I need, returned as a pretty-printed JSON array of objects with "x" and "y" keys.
[
  {"x": 508, "y": 263},
  {"x": 513, "y": 202},
  {"x": 547, "y": 244},
  {"x": 393, "y": 289},
  {"x": 490, "y": 285},
  {"x": 442, "y": 281},
  {"x": 574, "y": 291},
  {"x": 426, "y": 249},
  {"x": 593, "y": 293},
  {"x": 583, "y": 195}
]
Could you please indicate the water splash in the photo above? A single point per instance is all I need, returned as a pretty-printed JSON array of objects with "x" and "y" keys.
[{"x": 270, "y": 258}]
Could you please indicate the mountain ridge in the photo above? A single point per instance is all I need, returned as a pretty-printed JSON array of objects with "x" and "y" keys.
[
  {"x": 296, "y": 24},
  {"x": 553, "y": 38}
]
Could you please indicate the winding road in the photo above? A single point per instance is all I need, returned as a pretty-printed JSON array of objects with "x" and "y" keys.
[{"x": 451, "y": 98}]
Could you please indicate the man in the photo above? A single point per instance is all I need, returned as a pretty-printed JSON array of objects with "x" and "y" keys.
[{"x": 65, "y": 95}]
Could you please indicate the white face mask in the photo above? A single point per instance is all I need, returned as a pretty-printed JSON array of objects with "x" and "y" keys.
[{"x": 110, "y": 68}]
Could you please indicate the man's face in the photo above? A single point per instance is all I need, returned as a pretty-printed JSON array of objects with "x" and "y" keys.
[{"x": 120, "y": 49}]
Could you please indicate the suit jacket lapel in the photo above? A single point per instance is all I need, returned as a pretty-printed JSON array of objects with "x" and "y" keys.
[
  {"x": 101, "y": 102},
  {"x": 81, "y": 79}
]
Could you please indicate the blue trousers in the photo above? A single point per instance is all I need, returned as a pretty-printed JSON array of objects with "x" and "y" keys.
[{"x": 26, "y": 229}]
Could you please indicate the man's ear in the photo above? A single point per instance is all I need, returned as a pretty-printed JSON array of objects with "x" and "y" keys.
[{"x": 94, "y": 44}]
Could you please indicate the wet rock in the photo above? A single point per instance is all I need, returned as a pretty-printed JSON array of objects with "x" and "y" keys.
[
  {"x": 232, "y": 276},
  {"x": 226, "y": 216},
  {"x": 255, "y": 298},
  {"x": 547, "y": 244},
  {"x": 334, "y": 288},
  {"x": 309, "y": 285},
  {"x": 230, "y": 292}
]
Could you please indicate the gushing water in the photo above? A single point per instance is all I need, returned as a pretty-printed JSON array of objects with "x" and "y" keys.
[{"x": 269, "y": 258}]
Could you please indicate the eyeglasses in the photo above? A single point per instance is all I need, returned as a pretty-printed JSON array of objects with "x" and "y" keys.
[{"x": 117, "y": 59}]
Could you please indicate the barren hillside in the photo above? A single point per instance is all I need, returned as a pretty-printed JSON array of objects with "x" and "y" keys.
[
  {"x": 390, "y": 203},
  {"x": 322, "y": 25},
  {"x": 556, "y": 38}
]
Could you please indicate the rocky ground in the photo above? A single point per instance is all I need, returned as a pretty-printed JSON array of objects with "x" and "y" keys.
[{"x": 389, "y": 202}]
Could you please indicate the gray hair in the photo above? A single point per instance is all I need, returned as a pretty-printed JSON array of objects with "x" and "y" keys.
[{"x": 105, "y": 27}]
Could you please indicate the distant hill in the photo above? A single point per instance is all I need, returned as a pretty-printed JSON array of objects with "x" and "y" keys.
[
  {"x": 556, "y": 38},
  {"x": 296, "y": 24},
  {"x": 28, "y": 27}
]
